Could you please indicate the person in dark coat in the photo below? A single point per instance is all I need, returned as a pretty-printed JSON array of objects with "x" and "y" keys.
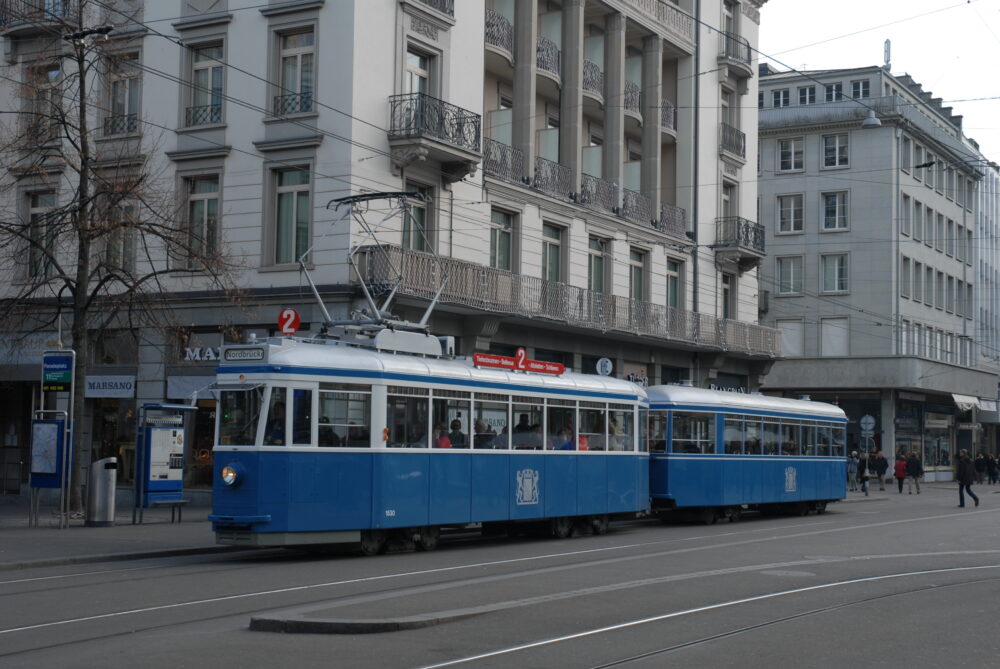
[
  {"x": 900, "y": 471},
  {"x": 914, "y": 470},
  {"x": 863, "y": 473},
  {"x": 880, "y": 466},
  {"x": 991, "y": 468},
  {"x": 980, "y": 464},
  {"x": 966, "y": 475}
]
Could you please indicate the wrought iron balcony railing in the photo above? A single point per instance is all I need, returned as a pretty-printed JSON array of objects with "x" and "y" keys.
[
  {"x": 732, "y": 140},
  {"x": 735, "y": 48},
  {"x": 671, "y": 18},
  {"x": 636, "y": 206},
  {"x": 443, "y": 6},
  {"x": 503, "y": 161},
  {"x": 553, "y": 178},
  {"x": 599, "y": 194},
  {"x": 203, "y": 115},
  {"x": 673, "y": 220},
  {"x": 419, "y": 115},
  {"x": 295, "y": 103},
  {"x": 498, "y": 291},
  {"x": 633, "y": 97},
  {"x": 15, "y": 11},
  {"x": 668, "y": 114},
  {"x": 548, "y": 56},
  {"x": 734, "y": 231},
  {"x": 121, "y": 124},
  {"x": 593, "y": 78},
  {"x": 499, "y": 31}
]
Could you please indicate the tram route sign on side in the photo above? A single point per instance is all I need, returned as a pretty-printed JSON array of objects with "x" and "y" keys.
[{"x": 57, "y": 372}]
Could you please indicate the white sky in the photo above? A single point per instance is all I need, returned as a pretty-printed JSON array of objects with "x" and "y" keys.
[{"x": 950, "y": 47}]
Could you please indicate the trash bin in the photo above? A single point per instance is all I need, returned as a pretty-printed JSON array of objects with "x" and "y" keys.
[{"x": 101, "y": 493}]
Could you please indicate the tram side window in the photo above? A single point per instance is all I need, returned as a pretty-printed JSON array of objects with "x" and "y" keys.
[
  {"x": 593, "y": 426},
  {"x": 751, "y": 436},
  {"x": 344, "y": 419},
  {"x": 824, "y": 442},
  {"x": 621, "y": 428},
  {"x": 657, "y": 431},
  {"x": 771, "y": 442},
  {"x": 239, "y": 412},
  {"x": 301, "y": 417},
  {"x": 275, "y": 427},
  {"x": 527, "y": 431},
  {"x": 839, "y": 442},
  {"x": 450, "y": 421},
  {"x": 490, "y": 421},
  {"x": 732, "y": 440},
  {"x": 790, "y": 441},
  {"x": 808, "y": 438},
  {"x": 693, "y": 432},
  {"x": 560, "y": 425},
  {"x": 407, "y": 417}
]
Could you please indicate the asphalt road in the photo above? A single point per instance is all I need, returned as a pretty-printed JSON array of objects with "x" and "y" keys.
[{"x": 888, "y": 581}]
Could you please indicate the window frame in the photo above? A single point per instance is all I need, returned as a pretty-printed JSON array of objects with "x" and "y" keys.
[
  {"x": 833, "y": 92},
  {"x": 276, "y": 190},
  {"x": 842, "y": 283},
  {"x": 841, "y": 217},
  {"x": 123, "y": 112},
  {"x": 809, "y": 93},
  {"x": 559, "y": 244},
  {"x": 597, "y": 259},
  {"x": 497, "y": 232},
  {"x": 795, "y": 149},
  {"x": 795, "y": 283},
  {"x": 211, "y": 65},
  {"x": 780, "y": 97},
  {"x": 795, "y": 226},
  {"x": 306, "y": 99},
  {"x": 840, "y": 156},
  {"x": 427, "y": 219},
  {"x": 188, "y": 182}
]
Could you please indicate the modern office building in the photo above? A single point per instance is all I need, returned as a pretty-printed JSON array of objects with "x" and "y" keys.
[
  {"x": 881, "y": 270},
  {"x": 586, "y": 168}
]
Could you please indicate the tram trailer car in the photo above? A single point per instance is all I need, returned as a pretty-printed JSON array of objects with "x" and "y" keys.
[
  {"x": 322, "y": 442},
  {"x": 714, "y": 453}
]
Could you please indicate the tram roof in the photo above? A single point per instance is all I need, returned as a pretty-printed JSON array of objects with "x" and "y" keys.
[
  {"x": 690, "y": 397},
  {"x": 299, "y": 357}
]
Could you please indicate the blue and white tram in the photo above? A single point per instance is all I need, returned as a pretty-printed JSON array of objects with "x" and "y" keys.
[
  {"x": 717, "y": 452},
  {"x": 321, "y": 442}
]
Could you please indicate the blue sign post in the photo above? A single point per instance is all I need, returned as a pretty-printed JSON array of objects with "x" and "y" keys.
[{"x": 52, "y": 438}]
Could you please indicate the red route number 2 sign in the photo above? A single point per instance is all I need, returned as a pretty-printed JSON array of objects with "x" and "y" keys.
[{"x": 289, "y": 321}]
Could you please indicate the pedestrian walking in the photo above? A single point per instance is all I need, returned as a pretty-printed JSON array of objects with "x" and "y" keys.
[
  {"x": 991, "y": 468},
  {"x": 914, "y": 470},
  {"x": 966, "y": 475},
  {"x": 980, "y": 464},
  {"x": 881, "y": 466},
  {"x": 863, "y": 473},
  {"x": 852, "y": 471},
  {"x": 900, "y": 471}
]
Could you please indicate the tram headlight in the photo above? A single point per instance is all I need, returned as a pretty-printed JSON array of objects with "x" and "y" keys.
[{"x": 231, "y": 474}]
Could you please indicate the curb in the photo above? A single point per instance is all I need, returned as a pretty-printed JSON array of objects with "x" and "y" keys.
[
  {"x": 304, "y": 625},
  {"x": 115, "y": 557}
]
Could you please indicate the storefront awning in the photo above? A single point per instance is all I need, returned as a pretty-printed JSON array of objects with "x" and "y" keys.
[{"x": 965, "y": 402}]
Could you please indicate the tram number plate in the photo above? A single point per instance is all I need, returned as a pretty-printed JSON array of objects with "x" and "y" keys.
[{"x": 390, "y": 513}]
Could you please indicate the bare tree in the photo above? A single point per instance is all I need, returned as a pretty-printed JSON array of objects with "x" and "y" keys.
[{"x": 90, "y": 233}]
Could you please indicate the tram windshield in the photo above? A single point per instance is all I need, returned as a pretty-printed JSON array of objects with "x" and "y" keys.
[{"x": 239, "y": 411}]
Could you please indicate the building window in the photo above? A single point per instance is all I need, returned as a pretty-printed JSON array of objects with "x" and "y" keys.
[
  {"x": 760, "y": 99},
  {"x": 596, "y": 264},
  {"x": 928, "y": 226},
  {"x": 834, "y": 272},
  {"x": 790, "y": 154},
  {"x": 41, "y": 234},
  {"x": 792, "y": 337},
  {"x": 728, "y": 296},
  {"x": 637, "y": 274},
  {"x": 119, "y": 249},
  {"x": 860, "y": 89},
  {"x": 416, "y": 226},
  {"x": 918, "y": 281},
  {"x": 834, "y": 339},
  {"x": 835, "y": 211},
  {"x": 904, "y": 278},
  {"x": 807, "y": 95},
  {"x": 904, "y": 215},
  {"x": 907, "y": 158},
  {"x": 834, "y": 92},
  {"x": 918, "y": 220},
  {"x": 790, "y": 275},
  {"x": 292, "y": 209},
  {"x": 552, "y": 241},
  {"x": 939, "y": 239},
  {"x": 950, "y": 238},
  {"x": 206, "y": 86},
  {"x": 297, "y": 73},
  {"x": 203, "y": 216},
  {"x": 124, "y": 94},
  {"x": 45, "y": 111},
  {"x": 501, "y": 232},
  {"x": 929, "y": 286},
  {"x": 790, "y": 213},
  {"x": 939, "y": 296},
  {"x": 674, "y": 283},
  {"x": 834, "y": 150},
  {"x": 418, "y": 73},
  {"x": 949, "y": 294},
  {"x": 780, "y": 98}
]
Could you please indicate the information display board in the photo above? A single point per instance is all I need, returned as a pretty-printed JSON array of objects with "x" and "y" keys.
[{"x": 47, "y": 442}]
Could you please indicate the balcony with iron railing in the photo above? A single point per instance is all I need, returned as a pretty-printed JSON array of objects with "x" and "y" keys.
[
  {"x": 673, "y": 22},
  {"x": 672, "y": 221},
  {"x": 121, "y": 124},
  {"x": 553, "y": 178},
  {"x": 739, "y": 240},
  {"x": 593, "y": 79},
  {"x": 23, "y": 18},
  {"x": 500, "y": 33},
  {"x": 732, "y": 141},
  {"x": 436, "y": 129},
  {"x": 736, "y": 55},
  {"x": 444, "y": 6},
  {"x": 637, "y": 208},
  {"x": 668, "y": 116},
  {"x": 633, "y": 99},
  {"x": 548, "y": 57},
  {"x": 294, "y": 103},
  {"x": 598, "y": 194},
  {"x": 503, "y": 161},
  {"x": 203, "y": 115},
  {"x": 492, "y": 290}
]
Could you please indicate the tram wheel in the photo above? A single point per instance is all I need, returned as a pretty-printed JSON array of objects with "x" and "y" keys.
[
  {"x": 707, "y": 516},
  {"x": 372, "y": 542},
  {"x": 562, "y": 527},
  {"x": 599, "y": 524},
  {"x": 821, "y": 507},
  {"x": 428, "y": 538},
  {"x": 735, "y": 513},
  {"x": 802, "y": 509}
]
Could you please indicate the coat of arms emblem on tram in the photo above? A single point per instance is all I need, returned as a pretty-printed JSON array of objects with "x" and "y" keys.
[{"x": 527, "y": 486}]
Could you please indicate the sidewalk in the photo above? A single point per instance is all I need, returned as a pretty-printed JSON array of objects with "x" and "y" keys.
[{"x": 46, "y": 545}]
